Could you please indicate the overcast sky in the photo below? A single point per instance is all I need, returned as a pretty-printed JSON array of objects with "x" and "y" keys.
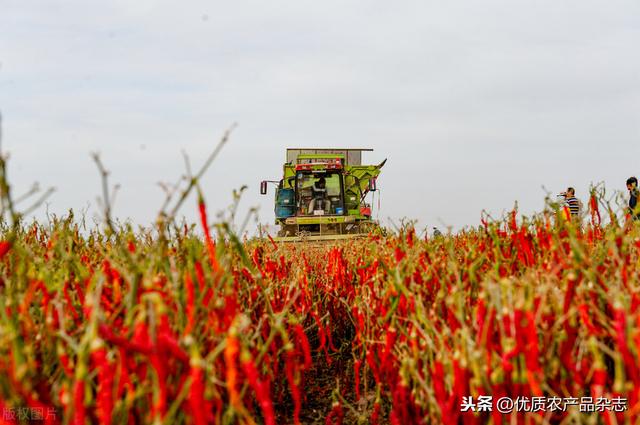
[{"x": 475, "y": 104}]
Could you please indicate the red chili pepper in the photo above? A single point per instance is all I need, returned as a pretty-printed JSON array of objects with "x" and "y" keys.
[
  {"x": 387, "y": 352},
  {"x": 330, "y": 337},
  {"x": 399, "y": 255},
  {"x": 371, "y": 361},
  {"x": 64, "y": 361},
  {"x": 356, "y": 374},
  {"x": 104, "y": 400},
  {"x": 211, "y": 246},
  {"x": 620, "y": 325},
  {"x": 190, "y": 301},
  {"x": 159, "y": 365},
  {"x": 410, "y": 236},
  {"x": 583, "y": 310},
  {"x": 139, "y": 343},
  {"x": 375, "y": 415},
  {"x": 336, "y": 413},
  {"x": 260, "y": 387},
  {"x": 170, "y": 345},
  {"x": 304, "y": 342},
  {"x": 290, "y": 369},
  {"x": 322, "y": 336},
  {"x": 201, "y": 410},
  {"x": 273, "y": 243},
  {"x": 79, "y": 412},
  {"x": 5, "y": 246},
  {"x": 399, "y": 414},
  {"x": 69, "y": 301},
  {"x": 123, "y": 373},
  {"x": 230, "y": 357},
  {"x": 199, "y": 274},
  {"x": 441, "y": 396}
]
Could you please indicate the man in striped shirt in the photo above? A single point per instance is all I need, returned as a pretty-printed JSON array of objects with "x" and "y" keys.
[{"x": 574, "y": 204}]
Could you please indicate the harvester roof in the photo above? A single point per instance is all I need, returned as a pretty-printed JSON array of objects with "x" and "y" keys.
[{"x": 349, "y": 156}]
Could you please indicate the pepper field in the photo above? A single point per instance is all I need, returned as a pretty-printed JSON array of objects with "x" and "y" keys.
[{"x": 171, "y": 327}]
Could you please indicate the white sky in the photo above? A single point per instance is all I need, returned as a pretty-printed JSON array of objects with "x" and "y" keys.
[{"x": 475, "y": 104}]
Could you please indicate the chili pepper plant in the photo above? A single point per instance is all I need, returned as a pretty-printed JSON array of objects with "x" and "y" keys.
[{"x": 194, "y": 325}]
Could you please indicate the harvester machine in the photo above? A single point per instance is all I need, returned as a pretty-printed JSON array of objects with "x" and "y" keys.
[{"x": 323, "y": 195}]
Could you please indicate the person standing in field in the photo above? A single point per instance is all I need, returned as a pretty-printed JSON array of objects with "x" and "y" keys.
[
  {"x": 574, "y": 204},
  {"x": 632, "y": 186}
]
